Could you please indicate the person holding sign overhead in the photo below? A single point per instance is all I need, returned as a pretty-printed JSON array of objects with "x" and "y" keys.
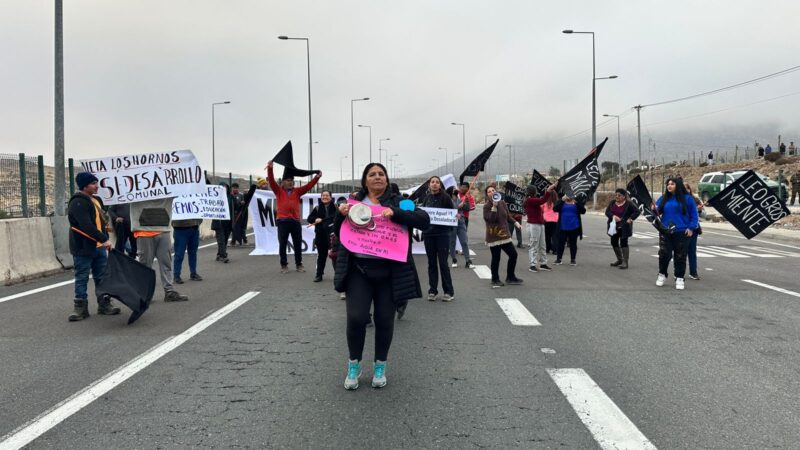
[
  {"x": 369, "y": 280},
  {"x": 677, "y": 208},
  {"x": 437, "y": 242},
  {"x": 498, "y": 236}
]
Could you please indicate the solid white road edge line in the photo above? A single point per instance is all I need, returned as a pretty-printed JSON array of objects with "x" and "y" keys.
[
  {"x": 64, "y": 283},
  {"x": 517, "y": 313},
  {"x": 25, "y": 434},
  {"x": 774, "y": 288},
  {"x": 36, "y": 291},
  {"x": 609, "y": 426}
]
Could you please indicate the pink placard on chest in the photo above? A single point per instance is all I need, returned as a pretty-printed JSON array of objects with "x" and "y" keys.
[{"x": 388, "y": 240}]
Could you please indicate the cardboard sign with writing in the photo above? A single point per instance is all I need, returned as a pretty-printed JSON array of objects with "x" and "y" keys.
[
  {"x": 443, "y": 216},
  {"x": 749, "y": 205},
  {"x": 514, "y": 197},
  {"x": 147, "y": 176},
  {"x": 211, "y": 204},
  {"x": 540, "y": 182},
  {"x": 388, "y": 240}
]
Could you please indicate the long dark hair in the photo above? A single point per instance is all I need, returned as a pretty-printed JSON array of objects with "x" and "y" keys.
[
  {"x": 441, "y": 185},
  {"x": 680, "y": 192},
  {"x": 366, "y": 171}
]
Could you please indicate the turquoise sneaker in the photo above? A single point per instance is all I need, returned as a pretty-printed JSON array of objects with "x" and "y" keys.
[
  {"x": 353, "y": 374},
  {"x": 379, "y": 374}
]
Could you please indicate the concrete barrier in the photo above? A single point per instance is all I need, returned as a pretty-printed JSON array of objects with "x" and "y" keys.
[{"x": 27, "y": 249}]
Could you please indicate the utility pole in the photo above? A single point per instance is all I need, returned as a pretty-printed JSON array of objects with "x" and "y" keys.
[
  {"x": 638, "y": 109},
  {"x": 59, "y": 112}
]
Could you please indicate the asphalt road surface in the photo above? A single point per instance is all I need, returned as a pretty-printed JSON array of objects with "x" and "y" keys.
[{"x": 581, "y": 357}]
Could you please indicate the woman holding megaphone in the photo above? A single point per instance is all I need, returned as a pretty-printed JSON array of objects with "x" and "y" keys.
[
  {"x": 369, "y": 280},
  {"x": 498, "y": 236}
]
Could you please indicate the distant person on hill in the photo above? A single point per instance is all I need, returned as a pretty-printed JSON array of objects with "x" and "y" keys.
[
  {"x": 792, "y": 149},
  {"x": 782, "y": 149},
  {"x": 767, "y": 149},
  {"x": 711, "y": 158},
  {"x": 795, "y": 181}
]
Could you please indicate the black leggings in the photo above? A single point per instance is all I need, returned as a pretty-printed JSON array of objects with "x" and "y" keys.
[
  {"x": 323, "y": 244},
  {"x": 568, "y": 237},
  {"x": 550, "y": 236},
  {"x": 672, "y": 246},
  {"x": 437, "y": 249},
  {"x": 368, "y": 281},
  {"x": 512, "y": 261},
  {"x": 618, "y": 241}
]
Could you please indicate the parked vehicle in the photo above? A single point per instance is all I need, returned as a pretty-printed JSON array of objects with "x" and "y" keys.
[{"x": 713, "y": 182}]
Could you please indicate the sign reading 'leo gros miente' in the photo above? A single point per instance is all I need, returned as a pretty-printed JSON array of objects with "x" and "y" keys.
[
  {"x": 146, "y": 176},
  {"x": 749, "y": 205}
]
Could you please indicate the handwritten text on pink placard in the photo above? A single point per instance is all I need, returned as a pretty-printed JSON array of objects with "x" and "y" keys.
[{"x": 388, "y": 240}]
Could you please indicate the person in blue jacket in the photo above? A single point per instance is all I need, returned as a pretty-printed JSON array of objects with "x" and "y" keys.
[{"x": 676, "y": 207}]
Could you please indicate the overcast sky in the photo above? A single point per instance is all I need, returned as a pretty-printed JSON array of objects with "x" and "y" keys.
[{"x": 141, "y": 75}]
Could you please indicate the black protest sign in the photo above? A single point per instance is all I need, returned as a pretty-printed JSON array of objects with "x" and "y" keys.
[
  {"x": 514, "y": 197},
  {"x": 540, "y": 182},
  {"x": 640, "y": 197},
  {"x": 582, "y": 180},
  {"x": 129, "y": 281},
  {"x": 749, "y": 205},
  {"x": 285, "y": 157}
]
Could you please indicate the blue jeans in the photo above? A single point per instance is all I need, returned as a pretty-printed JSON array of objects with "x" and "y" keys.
[
  {"x": 692, "y": 252},
  {"x": 186, "y": 239},
  {"x": 82, "y": 265}
]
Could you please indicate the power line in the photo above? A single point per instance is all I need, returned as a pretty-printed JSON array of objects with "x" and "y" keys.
[
  {"x": 723, "y": 110},
  {"x": 727, "y": 88}
]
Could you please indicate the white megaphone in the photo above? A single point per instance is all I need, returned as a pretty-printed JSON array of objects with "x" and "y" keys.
[{"x": 496, "y": 197}]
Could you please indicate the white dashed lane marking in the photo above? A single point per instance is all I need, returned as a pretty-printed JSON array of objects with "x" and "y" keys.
[
  {"x": 609, "y": 426},
  {"x": 517, "y": 313},
  {"x": 483, "y": 272}
]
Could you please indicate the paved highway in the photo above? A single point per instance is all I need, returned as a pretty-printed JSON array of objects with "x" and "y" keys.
[{"x": 581, "y": 357}]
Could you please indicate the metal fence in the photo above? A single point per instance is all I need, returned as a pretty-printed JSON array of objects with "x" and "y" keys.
[{"x": 27, "y": 186}]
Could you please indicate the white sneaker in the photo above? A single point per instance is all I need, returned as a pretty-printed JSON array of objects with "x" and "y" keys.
[
  {"x": 661, "y": 279},
  {"x": 353, "y": 374},
  {"x": 679, "y": 284},
  {"x": 454, "y": 265},
  {"x": 379, "y": 374}
]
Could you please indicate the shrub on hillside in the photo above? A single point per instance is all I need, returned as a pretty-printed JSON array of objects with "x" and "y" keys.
[
  {"x": 772, "y": 157},
  {"x": 703, "y": 164},
  {"x": 782, "y": 161}
]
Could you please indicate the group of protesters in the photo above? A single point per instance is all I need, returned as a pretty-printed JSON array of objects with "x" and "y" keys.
[{"x": 376, "y": 289}]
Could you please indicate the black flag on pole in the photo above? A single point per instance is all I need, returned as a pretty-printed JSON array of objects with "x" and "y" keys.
[
  {"x": 749, "y": 205},
  {"x": 581, "y": 181},
  {"x": 540, "y": 182},
  {"x": 285, "y": 157},
  {"x": 478, "y": 164},
  {"x": 640, "y": 197},
  {"x": 129, "y": 281}
]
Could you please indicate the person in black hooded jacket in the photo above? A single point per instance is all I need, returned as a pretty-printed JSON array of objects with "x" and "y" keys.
[
  {"x": 368, "y": 280},
  {"x": 223, "y": 228},
  {"x": 437, "y": 242},
  {"x": 322, "y": 217}
]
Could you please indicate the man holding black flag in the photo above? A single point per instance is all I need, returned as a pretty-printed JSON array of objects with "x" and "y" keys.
[
  {"x": 88, "y": 245},
  {"x": 288, "y": 214}
]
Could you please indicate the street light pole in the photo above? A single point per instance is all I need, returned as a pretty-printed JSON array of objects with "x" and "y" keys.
[
  {"x": 370, "y": 140},
  {"x": 638, "y": 109},
  {"x": 380, "y": 147},
  {"x": 594, "y": 80},
  {"x": 308, "y": 68},
  {"x": 510, "y": 149},
  {"x": 352, "y": 142},
  {"x": 60, "y": 176},
  {"x": 213, "y": 140},
  {"x": 446, "y": 168},
  {"x": 454, "y": 160},
  {"x": 463, "y": 142}
]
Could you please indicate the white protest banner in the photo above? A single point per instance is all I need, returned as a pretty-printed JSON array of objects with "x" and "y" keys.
[
  {"x": 442, "y": 216},
  {"x": 211, "y": 204},
  {"x": 263, "y": 211},
  {"x": 147, "y": 176}
]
